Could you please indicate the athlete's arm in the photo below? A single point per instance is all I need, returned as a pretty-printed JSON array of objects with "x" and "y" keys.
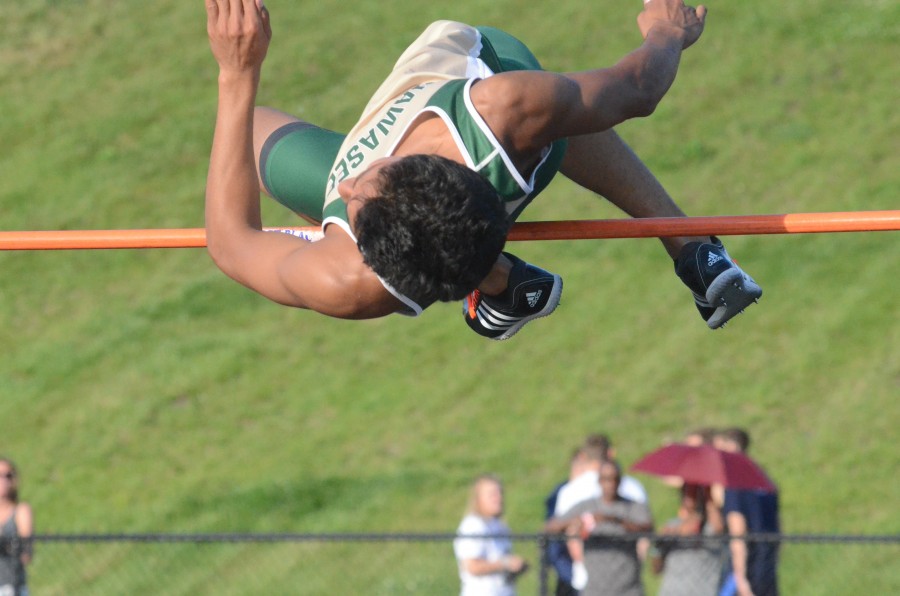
[
  {"x": 528, "y": 110},
  {"x": 327, "y": 276}
]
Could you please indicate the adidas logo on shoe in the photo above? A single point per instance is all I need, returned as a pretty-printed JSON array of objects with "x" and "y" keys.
[
  {"x": 531, "y": 293},
  {"x": 721, "y": 290}
]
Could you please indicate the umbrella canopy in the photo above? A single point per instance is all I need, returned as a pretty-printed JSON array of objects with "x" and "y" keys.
[{"x": 705, "y": 465}]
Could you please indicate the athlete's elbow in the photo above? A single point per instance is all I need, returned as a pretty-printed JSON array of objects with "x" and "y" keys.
[
  {"x": 644, "y": 99},
  {"x": 218, "y": 259},
  {"x": 640, "y": 107},
  {"x": 216, "y": 250},
  {"x": 351, "y": 310},
  {"x": 225, "y": 242},
  {"x": 222, "y": 255},
  {"x": 647, "y": 93},
  {"x": 348, "y": 296},
  {"x": 350, "y": 304}
]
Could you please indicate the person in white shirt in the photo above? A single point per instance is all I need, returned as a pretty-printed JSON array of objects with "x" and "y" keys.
[
  {"x": 487, "y": 566},
  {"x": 584, "y": 485}
]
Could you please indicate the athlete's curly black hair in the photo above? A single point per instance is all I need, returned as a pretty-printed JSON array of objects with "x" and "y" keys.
[{"x": 435, "y": 229}]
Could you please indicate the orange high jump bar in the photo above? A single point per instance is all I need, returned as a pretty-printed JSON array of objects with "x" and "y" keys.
[{"x": 726, "y": 225}]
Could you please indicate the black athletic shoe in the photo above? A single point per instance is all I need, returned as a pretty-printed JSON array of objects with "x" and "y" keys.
[
  {"x": 721, "y": 288},
  {"x": 532, "y": 293}
]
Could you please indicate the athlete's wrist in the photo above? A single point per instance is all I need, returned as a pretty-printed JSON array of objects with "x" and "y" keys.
[
  {"x": 238, "y": 79},
  {"x": 667, "y": 34},
  {"x": 237, "y": 94}
]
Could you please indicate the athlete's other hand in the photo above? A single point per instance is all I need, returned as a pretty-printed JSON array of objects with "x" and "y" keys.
[
  {"x": 239, "y": 34},
  {"x": 685, "y": 21}
]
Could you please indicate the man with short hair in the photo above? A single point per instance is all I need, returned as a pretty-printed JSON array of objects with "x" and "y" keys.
[
  {"x": 418, "y": 199},
  {"x": 734, "y": 440},
  {"x": 584, "y": 484},
  {"x": 613, "y": 566}
]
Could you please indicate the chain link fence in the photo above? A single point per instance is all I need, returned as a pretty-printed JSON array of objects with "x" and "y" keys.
[{"x": 388, "y": 564}]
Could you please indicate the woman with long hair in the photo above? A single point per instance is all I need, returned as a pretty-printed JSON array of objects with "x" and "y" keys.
[
  {"x": 487, "y": 565},
  {"x": 689, "y": 556}
]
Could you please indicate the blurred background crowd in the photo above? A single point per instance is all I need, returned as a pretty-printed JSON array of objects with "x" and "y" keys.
[{"x": 713, "y": 544}]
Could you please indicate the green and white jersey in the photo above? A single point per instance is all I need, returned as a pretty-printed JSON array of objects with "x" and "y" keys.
[{"x": 435, "y": 76}]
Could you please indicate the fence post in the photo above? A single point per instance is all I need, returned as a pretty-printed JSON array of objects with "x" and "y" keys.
[{"x": 543, "y": 588}]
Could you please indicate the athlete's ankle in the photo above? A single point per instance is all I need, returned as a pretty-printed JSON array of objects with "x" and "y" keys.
[
  {"x": 675, "y": 246},
  {"x": 497, "y": 280}
]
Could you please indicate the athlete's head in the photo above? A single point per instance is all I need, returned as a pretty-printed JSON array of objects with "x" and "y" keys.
[{"x": 434, "y": 229}]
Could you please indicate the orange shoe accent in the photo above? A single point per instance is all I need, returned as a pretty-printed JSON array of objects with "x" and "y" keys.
[{"x": 472, "y": 303}]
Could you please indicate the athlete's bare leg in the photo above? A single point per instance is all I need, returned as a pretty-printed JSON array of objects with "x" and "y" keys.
[
  {"x": 604, "y": 164},
  {"x": 495, "y": 282}
]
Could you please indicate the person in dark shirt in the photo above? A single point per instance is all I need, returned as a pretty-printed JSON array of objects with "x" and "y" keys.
[{"x": 754, "y": 563}]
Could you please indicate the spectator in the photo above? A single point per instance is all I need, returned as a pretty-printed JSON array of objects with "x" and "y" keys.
[
  {"x": 15, "y": 533},
  {"x": 613, "y": 567},
  {"x": 700, "y": 436},
  {"x": 629, "y": 486},
  {"x": 754, "y": 564},
  {"x": 483, "y": 549},
  {"x": 557, "y": 552},
  {"x": 583, "y": 486},
  {"x": 691, "y": 567}
]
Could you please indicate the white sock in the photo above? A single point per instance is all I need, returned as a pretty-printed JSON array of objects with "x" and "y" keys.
[{"x": 579, "y": 575}]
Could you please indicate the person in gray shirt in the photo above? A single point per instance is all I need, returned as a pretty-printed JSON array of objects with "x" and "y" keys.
[
  {"x": 605, "y": 524},
  {"x": 688, "y": 554}
]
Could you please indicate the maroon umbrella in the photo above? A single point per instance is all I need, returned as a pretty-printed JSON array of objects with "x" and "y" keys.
[{"x": 705, "y": 465}]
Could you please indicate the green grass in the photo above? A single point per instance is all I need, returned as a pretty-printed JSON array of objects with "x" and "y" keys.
[{"x": 142, "y": 391}]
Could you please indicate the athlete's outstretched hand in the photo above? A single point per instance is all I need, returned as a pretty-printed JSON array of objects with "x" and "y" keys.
[
  {"x": 686, "y": 21},
  {"x": 239, "y": 34}
]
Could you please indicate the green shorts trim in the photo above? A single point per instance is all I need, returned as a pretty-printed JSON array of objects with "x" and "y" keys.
[{"x": 504, "y": 53}]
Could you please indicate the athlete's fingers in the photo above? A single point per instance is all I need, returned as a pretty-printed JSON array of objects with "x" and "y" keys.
[
  {"x": 212, "y": 16},
  {"x": 235, "y": 9},
  {"x": 249, "y": 7},
  {"x": 224, "y": 8},
  {"x": 266, "y": 20},
  {"x": 701, "y": 14}
]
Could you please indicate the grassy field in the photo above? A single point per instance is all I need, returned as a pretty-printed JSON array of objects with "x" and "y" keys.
[{"x": 142, "y": 391}]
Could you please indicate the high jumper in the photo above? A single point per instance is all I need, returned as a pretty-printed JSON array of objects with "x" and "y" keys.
[{"x": 416, "y": 201}]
